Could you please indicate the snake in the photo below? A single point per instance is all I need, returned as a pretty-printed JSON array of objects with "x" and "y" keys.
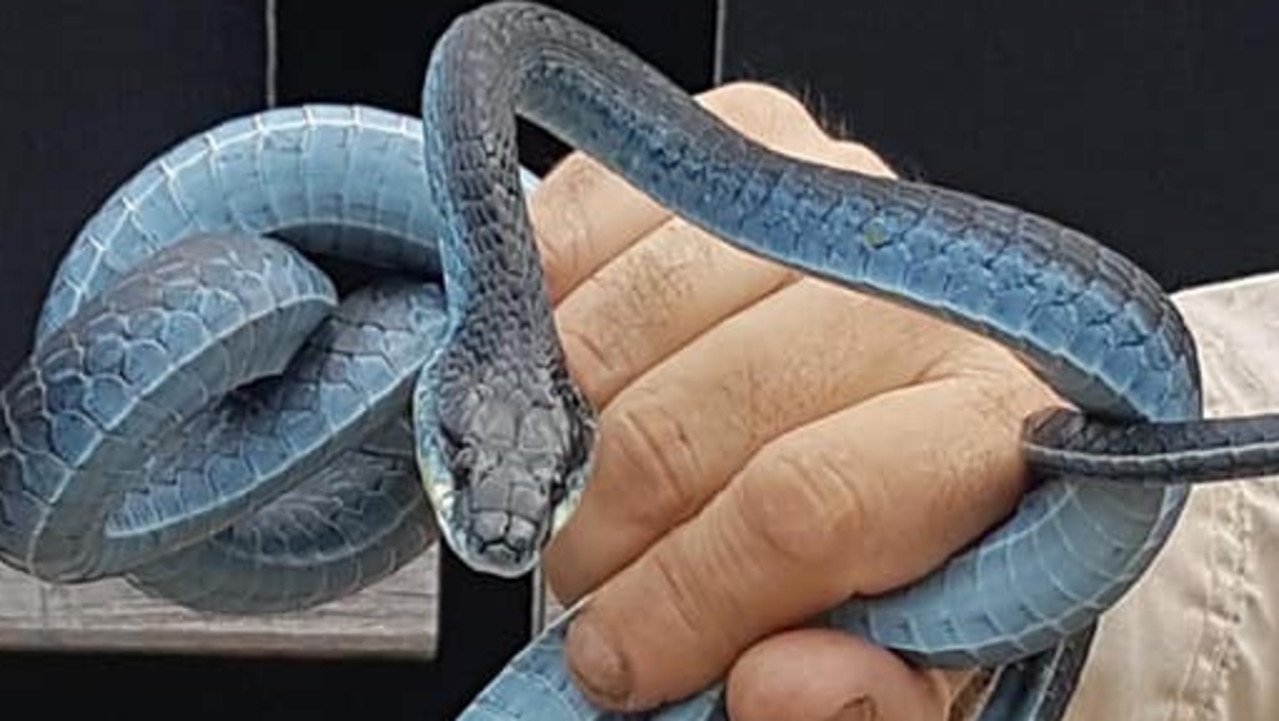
[{"x": 207, "y": 416}]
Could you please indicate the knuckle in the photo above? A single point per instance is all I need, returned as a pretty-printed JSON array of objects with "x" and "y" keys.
[
  {"x": 659, "y": 463},
  {"x": 748, "y": 96},
  {"x": 781, "y": 121},
  {"x": 592, "y": 361},
  {"x": 560, "y": 217},
  {"x": 996, "y": 404},
  {"x": 628, "y": 316},
  {"x": 802, "y": 509},
  {"x": 660, "y": 277},
  {"x": 851, "y": 155},
  {"x": 559, "y": 259},
  {"x": 1000, "y": 388},
  {"x": 559, "y": 250},
  {"x": 689, "y": 607},
  {"x": 765, "y": 113}
]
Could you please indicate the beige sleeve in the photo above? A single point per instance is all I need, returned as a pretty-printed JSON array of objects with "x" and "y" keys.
[{"x": 1197, "y": 639}]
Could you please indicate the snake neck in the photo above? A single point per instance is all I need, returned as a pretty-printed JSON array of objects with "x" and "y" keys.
[{"x": 508, "y": 434}]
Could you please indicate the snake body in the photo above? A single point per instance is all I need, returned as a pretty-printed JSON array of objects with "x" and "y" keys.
[
  {"x": 203, "y": 415},
  {"x": 188, "y": 370}
]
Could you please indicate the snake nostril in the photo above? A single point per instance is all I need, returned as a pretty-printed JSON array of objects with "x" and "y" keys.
[
  {"x": 522, "y": 534},
  {"x": 489, "y": 526}
]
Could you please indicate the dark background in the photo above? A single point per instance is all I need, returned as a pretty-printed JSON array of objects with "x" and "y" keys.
[{"x": 1148, "y": 125}]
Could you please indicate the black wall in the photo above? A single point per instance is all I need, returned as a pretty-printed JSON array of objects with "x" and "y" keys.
[
  {"x": 330, "y": 53},
  {"x": 1149, "y": 125},
  {"x": 89, "y": 92}
]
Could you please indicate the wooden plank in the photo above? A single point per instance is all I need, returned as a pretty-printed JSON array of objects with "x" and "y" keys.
[{"x": 395, "y": 618}]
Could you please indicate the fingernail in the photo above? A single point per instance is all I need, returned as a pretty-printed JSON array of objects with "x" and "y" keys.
[
  {"x": 859, "y": 709},
  {"x": 599, "y": 668}
]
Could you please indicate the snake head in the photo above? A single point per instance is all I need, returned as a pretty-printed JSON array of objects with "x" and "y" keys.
[{"x": 504, "y": 457}]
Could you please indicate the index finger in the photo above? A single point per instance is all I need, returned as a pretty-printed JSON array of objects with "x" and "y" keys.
[{"x": 584, "y": 215}]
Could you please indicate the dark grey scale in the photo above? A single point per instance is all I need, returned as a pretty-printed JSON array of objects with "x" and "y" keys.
[
  {"x": 1170, "y": 452},
  {"x": 317, "y": 542},
  {"x": 162, "y": 205},
  {"x": 180, "y": 344},
  {"x": 71, "y": 407}
]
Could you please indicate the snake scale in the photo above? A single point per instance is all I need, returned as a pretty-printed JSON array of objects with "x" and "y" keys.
[{"x": 203, "y": 415}]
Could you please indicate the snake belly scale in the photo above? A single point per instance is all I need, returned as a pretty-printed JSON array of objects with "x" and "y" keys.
[{"x": 205, "y": 416}]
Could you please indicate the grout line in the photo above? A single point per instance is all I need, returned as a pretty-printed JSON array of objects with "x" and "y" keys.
[
  {"x": 721, "y": 21},
  {"x": 272, "y": 52},
  {"x": 538, "y": 620}
]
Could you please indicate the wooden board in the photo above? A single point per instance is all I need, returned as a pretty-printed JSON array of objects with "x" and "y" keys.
[{"x": 395, "y": 618}]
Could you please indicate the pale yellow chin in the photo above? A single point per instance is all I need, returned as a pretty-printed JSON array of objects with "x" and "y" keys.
[
  {"x": 564, "y": 510},
  {"x": 572, "y": 496},
  {"x": 440, "y": 493}
]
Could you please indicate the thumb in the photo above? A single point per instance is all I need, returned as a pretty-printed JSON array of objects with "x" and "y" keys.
[{"x": 827, "y": 675}]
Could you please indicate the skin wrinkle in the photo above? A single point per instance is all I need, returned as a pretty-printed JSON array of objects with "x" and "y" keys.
[
  {"x": 808, "y": 520},
  {"x": 754, "y": 405},
  {"x": 648, "y": 444},
  {"x": 576, "y": 254},
  {"x": 808, "y": 372},
  {"x": 688, "y": 608},
  {"x": 850, "y": 514},
  {"x": 587, "y": 361},
  {"x": 751, "y": 393},
  {"x": 645, "y": 297},
  {"x": 739, "y": 569},
  {"x": 807, "y": 366},
  {"x": 651, "y": 288}
]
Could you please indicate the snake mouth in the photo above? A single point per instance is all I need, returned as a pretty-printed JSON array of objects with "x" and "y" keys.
[
  {"x": 497, "y": 542},
  {"x": 502, "y": 558}
]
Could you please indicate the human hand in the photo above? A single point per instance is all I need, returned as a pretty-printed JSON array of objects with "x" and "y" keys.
[{"x": 770, "y": 445}]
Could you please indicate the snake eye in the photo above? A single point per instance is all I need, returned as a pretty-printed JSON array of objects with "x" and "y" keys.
[
  {"x": 462, "y": 461},
  {"x": 542, "y": 432},
  {"x": 453, "y": 440}
]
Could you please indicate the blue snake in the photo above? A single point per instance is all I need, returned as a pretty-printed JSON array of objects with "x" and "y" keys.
[{"x": 206, "y": 416}]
